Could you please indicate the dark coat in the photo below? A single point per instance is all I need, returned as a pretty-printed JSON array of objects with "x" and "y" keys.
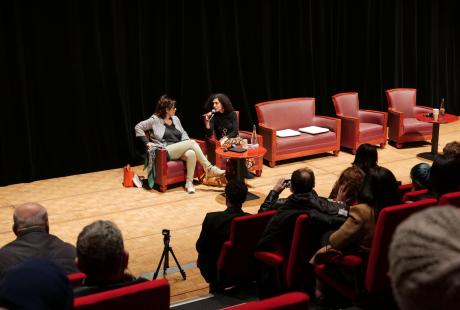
[
  {"x": 323, "y": 213},
  {"x": 214, "y": 232},
  {"x": 37, "y": 243}
]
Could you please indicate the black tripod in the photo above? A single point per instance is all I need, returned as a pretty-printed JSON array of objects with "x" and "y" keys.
[{"x": 166, "y": 250}]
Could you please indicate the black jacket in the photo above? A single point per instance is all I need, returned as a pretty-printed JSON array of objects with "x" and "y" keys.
[
  {"x": 37, "y": 243},
  {"x": 324, "y": 215},
  {"x": 215, "y": 231}
]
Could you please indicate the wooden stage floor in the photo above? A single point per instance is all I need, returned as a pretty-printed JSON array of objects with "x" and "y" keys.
[{"x": 78, "y": 200}]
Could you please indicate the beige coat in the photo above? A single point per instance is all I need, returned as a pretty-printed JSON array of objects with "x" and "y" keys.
[{"x": 355, "y": 235}]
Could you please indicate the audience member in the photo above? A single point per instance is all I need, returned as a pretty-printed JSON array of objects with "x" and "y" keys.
[
  {"x": 351, "y": 179},
  {"x": 444, "y": 175},
  {"x": 424, "y": 259},
  {"x": 216, "y": 230},
  {"x": 380, "y": 190},
  {"x": 452, "y": 149},
  {"x": 420, "y": 174},
  {"x": 31, "y": 228},
  {"x": 36, "y": 284},
  {"x": 366, "y": 157},
  {"x": 302, "y": 200},
  {"x": 101, "y": 255}
]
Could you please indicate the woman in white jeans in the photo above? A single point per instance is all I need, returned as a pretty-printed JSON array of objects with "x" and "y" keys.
[{"x": 167, "y": 132}]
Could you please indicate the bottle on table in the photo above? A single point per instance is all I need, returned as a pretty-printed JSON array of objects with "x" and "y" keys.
[
  {"x": 254, "y": 141},
  {"x": 442, "y": 109}
]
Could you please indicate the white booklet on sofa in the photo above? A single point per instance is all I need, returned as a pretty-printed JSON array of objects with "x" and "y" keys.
[
  {"x": 287, "y": 133},
  {"x": 314, "y": 130}
]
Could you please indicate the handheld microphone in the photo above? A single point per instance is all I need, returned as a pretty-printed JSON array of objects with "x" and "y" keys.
[{"x": 213, "y": 111}]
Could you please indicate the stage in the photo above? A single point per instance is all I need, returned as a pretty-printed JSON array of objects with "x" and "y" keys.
[{"x": 78, "y": 200}]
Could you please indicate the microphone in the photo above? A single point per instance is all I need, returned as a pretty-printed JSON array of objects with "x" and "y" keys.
[{"x": 213, "y": 111}]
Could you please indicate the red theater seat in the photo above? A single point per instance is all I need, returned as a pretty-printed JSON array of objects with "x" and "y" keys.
[
  {"x": 288, "y": 301},
  {"x": 151, "y": 295},
  {"x": 451, "y": 199},
  {"x": 376, "y": 283}
]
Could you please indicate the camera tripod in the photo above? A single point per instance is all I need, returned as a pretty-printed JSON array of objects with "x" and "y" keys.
[{"x": 165, "y": 256}]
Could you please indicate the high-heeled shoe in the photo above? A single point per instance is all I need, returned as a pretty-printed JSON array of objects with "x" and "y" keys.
[
  {"x": 214, "y": 171},
  {"x": 189, "y": 187}
]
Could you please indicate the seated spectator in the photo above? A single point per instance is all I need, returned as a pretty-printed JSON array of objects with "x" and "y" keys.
[
  {"x": 452, "y": 149},
  {"x": 36, "y": 284},
  {"x": 419, "y": 175},
  {"x": 31, "y": 228},
  {"x": 216, "y": 230},
  {"x": 366, "y": 157},
  {"x": 304, "y": 199},
  {"x": 424, "y": 259},
  {"x": 444, "y": 175},
  {"x": 101, "y": 255},
  {"x": 380, "y": 190},
  {"x": 351, "y": 179}
]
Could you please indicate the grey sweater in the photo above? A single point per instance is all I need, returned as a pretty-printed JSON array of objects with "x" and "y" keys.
[{"x": 157, "y": 127}]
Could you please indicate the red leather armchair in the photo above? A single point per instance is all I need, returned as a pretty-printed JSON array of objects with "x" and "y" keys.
[
  {"x": 359, "y": 126},
  {"x": 403, "y": 126},
  {"x": 169, "y": 172},
  {"x": 212, "y": 143},
  {"x": 295, "y": 113}
]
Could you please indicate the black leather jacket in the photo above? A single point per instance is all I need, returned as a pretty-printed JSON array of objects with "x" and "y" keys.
[{"x": 309, "y": 200}]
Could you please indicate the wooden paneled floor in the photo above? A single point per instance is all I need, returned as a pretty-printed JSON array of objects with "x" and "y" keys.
[{"x": 78, "y": 200}]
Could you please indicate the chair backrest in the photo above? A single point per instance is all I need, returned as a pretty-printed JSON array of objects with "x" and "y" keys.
[
  {"x": 346, "y": 104},
  {"x": 145, "y": 295},
  {"x": 299, "y": 270},
  {"x": 403, "y": 189},
  {"x": 451, "y": 199},
  {"x": 402, "y": 100},
  {"x": 412, "y": 195},
  {"x": 288, "y": 301},
  {"x": 76, "y": 279},
  {"x": 245, "y": 231},
  {"x": 287, "y": 113},
  {"x": 377, "y": 280}
]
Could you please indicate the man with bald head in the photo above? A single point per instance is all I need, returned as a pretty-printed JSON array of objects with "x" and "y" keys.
[{"x": 33, "y": 240}]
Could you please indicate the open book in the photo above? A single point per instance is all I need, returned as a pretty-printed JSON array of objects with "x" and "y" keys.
[
  {"x": 313, "y": 130},
  {"x": 287, "y": 133}
]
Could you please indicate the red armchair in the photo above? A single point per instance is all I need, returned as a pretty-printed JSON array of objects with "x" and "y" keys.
[
  {"x": 376, "y": 282},
  {"x": 236, "y": 261},
  {"x": 295, "y": 113},
  {"x": 146, "y": 295},
  {"x": 169, "y": 172},
  {"x": 359, "y": 126},
  {"x": 403, "y": 126},
  {"x": 212, "y": 143}
]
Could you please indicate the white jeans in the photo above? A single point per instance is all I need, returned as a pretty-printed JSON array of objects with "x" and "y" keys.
[{"x": 189, "y": 151}]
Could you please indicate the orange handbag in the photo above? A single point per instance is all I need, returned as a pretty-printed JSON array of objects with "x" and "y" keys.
[{"x": 128, "y": 175}]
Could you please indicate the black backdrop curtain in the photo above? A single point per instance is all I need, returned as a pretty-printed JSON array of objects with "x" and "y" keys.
[{"x": 76, "y": 76}]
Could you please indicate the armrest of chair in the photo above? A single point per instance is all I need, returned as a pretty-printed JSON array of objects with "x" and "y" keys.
[
  {"x": 269, "y": 258},
  {"x": 371, "y": 116},
  {"x": 395, "y": 118},
  {"x": 268, "y": 135},
  {"x": 161, "y": 163},
  {"x": 329, "y": 122},
  {"x": 422, "y": 109}
]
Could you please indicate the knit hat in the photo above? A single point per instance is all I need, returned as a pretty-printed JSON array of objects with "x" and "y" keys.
[
  {"x": 420, "y": 174},
  {"x": 424, "y": 260}
]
